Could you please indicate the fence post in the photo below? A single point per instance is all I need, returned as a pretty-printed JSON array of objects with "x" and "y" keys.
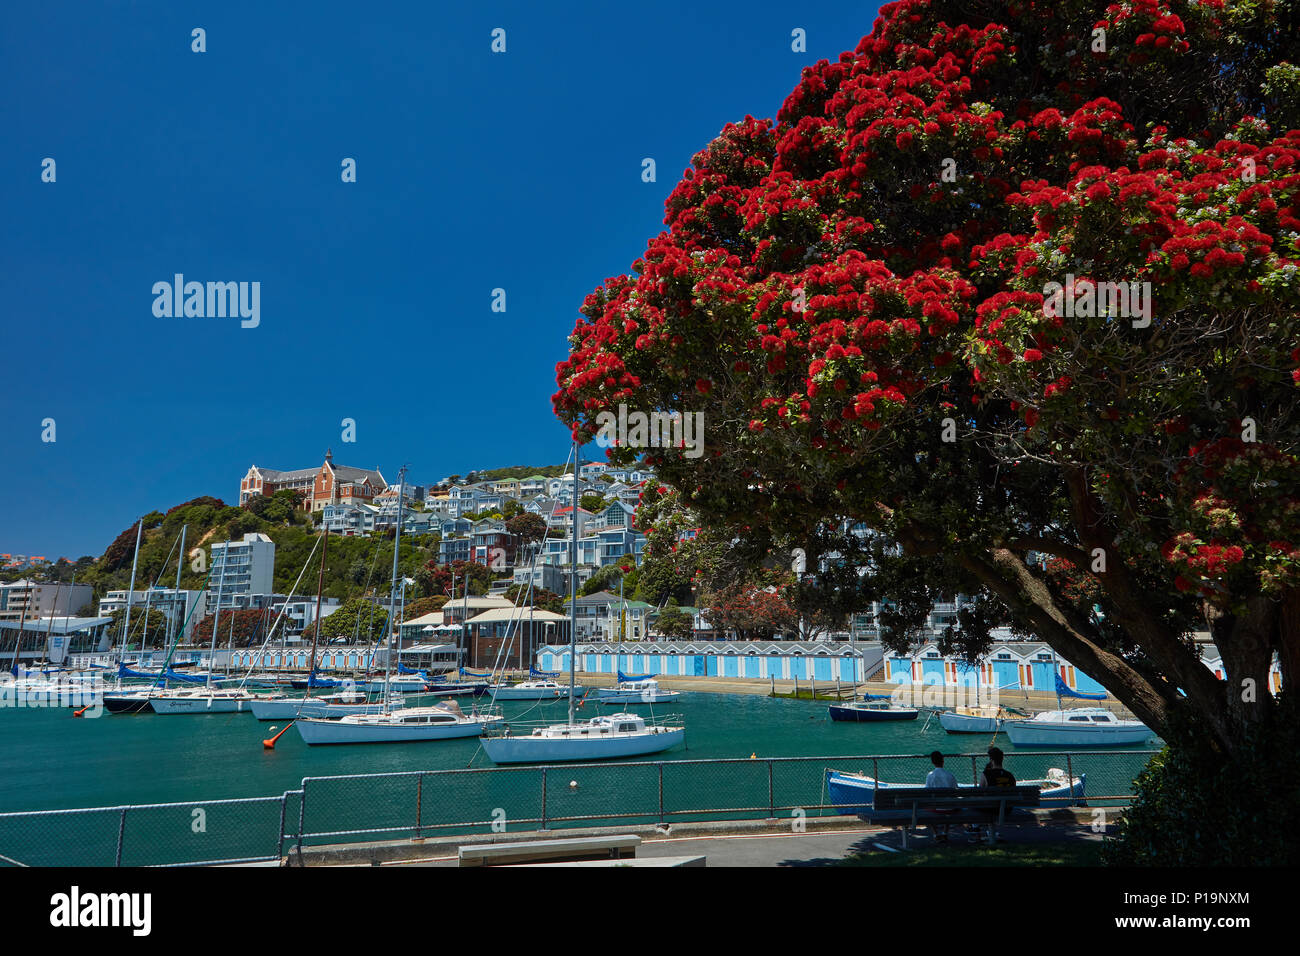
[
  {"x": 302, "y": 818},
  {"x": 661, "y": 793},
  {"x": 419, "y": 802},
  {"x": 543, "y": 798},
  {"x": 1069, "y": 779},
  {"x": 974, "y": 771},
  {"x": 121, "y": 832},
  {"x": 279, "y": 846},
  {"x": 771, "y": 792}
]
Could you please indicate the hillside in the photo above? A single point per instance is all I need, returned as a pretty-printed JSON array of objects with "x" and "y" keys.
[{"x": 352, "y": 563}]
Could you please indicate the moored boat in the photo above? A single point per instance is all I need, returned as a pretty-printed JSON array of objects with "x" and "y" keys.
[
  {"x": 438, "y": 722},
  {"x": 600, "y": 738},
  {"x": 854, "y": 792},
  {"x": 976, "y": 720},
  {"x": 1081, "y": 727},
  {"x": 637, "y": 690},
  {"x": 532, "y": 690},
  {"x": 201, "y": 701},
  {"x": 870, "y": 711}
]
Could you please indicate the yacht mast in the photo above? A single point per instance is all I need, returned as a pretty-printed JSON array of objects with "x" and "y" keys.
[
  {"x": 392, "y": 590},
  {"x": 573, "y": 582},
  {"x": 130, "y": 592},
  {"x": 315, "y": 632},
  {"x": 216, "y": 617}
]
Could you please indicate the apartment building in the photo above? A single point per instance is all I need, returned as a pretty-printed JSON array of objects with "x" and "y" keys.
[{"x": 240, "y": 569}]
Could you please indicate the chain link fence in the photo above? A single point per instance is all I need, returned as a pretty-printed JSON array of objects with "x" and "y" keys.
[
  {"x": 417, "y": 804},
  {"x": 160, "y": 834}
]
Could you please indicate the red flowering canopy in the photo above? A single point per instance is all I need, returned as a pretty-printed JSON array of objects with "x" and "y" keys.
[{"x": 1014, "y": 284}]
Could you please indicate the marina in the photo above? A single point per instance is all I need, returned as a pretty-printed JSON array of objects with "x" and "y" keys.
[{"x": 220, "y": 755}]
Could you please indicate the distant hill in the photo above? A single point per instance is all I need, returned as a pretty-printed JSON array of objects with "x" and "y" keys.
[
  {"x": 519, "y": 471},
  {"x": 352, "y": 562}
]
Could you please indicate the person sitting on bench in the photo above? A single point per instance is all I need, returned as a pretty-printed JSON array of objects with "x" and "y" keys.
[
  {"x": 996, "y": 776},
  {"x": 942, "y": 779}
]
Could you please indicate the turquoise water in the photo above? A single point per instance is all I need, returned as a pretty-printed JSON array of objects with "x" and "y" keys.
[{"x": 50, "y": 760}]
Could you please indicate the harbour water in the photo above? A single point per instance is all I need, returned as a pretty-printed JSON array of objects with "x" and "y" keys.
[{"x": 51, "y": 760}]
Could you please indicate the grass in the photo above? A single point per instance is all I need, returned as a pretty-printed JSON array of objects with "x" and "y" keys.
[{"x": 1072, "y": 853}]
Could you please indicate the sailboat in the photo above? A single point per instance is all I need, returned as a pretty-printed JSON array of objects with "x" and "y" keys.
[
  {"x": 208, "y": 699},
  {"x": 600, "y": 738},
  {"x": 328, "y": 706},
  {"x": 405, "y": 724},
  {"x": 1078, "y": 727}
]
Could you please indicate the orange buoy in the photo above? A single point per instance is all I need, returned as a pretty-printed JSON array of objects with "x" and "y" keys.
[{"x": 269, "y": 743}]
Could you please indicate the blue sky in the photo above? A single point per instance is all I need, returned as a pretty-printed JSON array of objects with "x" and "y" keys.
[{"x": 475, "y": 171}]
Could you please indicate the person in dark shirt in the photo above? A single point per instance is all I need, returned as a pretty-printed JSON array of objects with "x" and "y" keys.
[{"x": 994, "y": 775}]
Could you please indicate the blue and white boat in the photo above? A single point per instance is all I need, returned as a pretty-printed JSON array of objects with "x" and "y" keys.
[
  {"x": 1081, "y": 727},
  {"x": 635, "y": 690},
  {"x": 855, "y": 792}
]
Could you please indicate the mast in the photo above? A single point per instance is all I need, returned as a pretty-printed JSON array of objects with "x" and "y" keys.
[
  {"x": 392, "y": 590},
  {"x": 22, "y": 621},
  {"x": 130, "y": 591},
  {"x": 216, "y": 618},
  {"x": 315, "y": 630},
  {"x": 180, "y": 559},
  {"x": 573, "y": 582}
]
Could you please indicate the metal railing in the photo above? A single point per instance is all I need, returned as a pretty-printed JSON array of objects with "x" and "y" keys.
[{"x": 425, "y": 803}]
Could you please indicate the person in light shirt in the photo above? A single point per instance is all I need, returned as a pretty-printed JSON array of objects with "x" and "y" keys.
[{"x": 944, "y": 780}]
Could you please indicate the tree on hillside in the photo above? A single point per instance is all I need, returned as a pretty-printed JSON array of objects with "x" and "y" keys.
[
  {"x": 247, "y": 628},
  {"x": 674, "y": 623},
  {"x": 527, "y": 527},
  {"x": 538, "y": 598},
  {"x": 357, "y": 619},
  {"x": 437, "y": 579},
  {"x": 1023, "y": 302}
]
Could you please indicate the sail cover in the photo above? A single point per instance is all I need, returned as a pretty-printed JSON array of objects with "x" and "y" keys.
[
  {"x": 465, "y": 673},
  {"x": 1065, "y": 690},
  {"x": 624, "y": 678},
  {"x": 534, "y": 672}
]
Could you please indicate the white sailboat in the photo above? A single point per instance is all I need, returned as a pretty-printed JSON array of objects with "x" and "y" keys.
[
  {"x": 1080, "y": 727},
  {"x": 601, "y": 738},
  {"x": 403, "y": 724}
]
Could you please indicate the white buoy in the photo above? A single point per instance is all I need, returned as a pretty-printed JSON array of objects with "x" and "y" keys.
[{"x": 573, "y": 785}]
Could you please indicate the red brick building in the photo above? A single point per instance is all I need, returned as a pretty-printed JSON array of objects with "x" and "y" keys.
[{"x": 328, "y": 484}]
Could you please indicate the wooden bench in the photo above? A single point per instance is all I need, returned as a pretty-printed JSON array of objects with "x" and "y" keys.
[
  {"x": 909, "y": 806},
  {"x": 615, "y": 847}
]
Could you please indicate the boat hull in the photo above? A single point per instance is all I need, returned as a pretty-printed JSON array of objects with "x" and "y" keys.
[
  {"x": 855, "y": 794},
  {"x": 533, "y": 749},
  {"x": 969, "y": 724},
  {"x": 533, "y": 693},
  {"x": 636, "y": 697},
  {"x": 868, "y": 715},
  {"x": 127, "y": 704},
  {"x": 316, "y": 731},
  {"x": 1030, "y": 733},
  {"x": 176, "y": 706},
  {"x": 291, "y": 707}
]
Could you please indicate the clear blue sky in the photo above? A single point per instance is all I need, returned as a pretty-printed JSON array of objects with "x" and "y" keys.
[{"x": 474, "y": 171}]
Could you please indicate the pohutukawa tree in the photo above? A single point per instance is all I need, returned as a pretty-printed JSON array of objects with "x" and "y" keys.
[{"x": 1015, "y": 286}]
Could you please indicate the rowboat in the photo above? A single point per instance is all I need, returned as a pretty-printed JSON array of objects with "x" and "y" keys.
[{"x": 854, "y": 792}]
